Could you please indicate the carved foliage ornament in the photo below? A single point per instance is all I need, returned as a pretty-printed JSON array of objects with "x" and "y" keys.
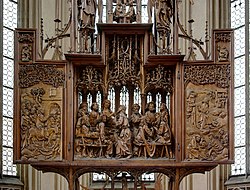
[
  {"x": 26, "y": 37},
  {"x": 124, "y": 61},
  {"x": 223, "y": 37},
  {"x": 30, "y": 75},
  {"x": 160, "y": 78},
  {"x": 208, "y": 74},
  {"x": 91, "y": 79}
]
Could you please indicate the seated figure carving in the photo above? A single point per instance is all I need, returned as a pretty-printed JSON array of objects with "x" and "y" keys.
[
  {"x": 163, "y": 131},
  {"x": 82, "y": 126},
  {"x": 113, "y": 135},
  {"x": 123, "y": 140},
  {"x": 146, "y": 135},
  {"x": 134, "y": 122}
]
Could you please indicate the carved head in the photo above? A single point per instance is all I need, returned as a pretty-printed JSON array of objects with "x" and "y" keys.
[
  {"x": 54, "y": 109},
  {"x": 135, "y": 108},
  {"x": 94, "y": 106},
  {"x": 150, "y": 107},
  {"x": 83, "y": 106},
  {"x": 198, "y": 138},
  {"x": 163, "y": 107},
  {"x": 122, "y": 108},
  {"x": 106, "y": 104}
]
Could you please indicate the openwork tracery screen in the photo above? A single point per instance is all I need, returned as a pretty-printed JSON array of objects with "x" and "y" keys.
[
  {"x": 240, "y": 22},
  {"x": 7, "y": 71}
]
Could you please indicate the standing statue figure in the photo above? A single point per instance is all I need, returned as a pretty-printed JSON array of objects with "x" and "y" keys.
[
  {"x": 107, "y": 127},
  {"x": 119, "y": 13},
  {"x": 123, "y": 140},
  {"x": 135, "y": 119},
  {"x": 130, "y": 14},
  {"x": 163, "y": 130},
  {"x": 82, "y": 125},
  {"x": 87, "y": 13},
  {"x": 164, "y": 13}
]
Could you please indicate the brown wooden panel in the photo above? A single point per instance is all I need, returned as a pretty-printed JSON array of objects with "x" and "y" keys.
[
  {"x": 39, "y": 109},
  {"x": 207, "y": 113}
]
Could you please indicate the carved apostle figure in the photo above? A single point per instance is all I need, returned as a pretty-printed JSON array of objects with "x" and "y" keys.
[
  {"x": 87, "y": 12},
  {"x": 95, "y": 120},
  {"x": 107, "y": 118},
  {"x": 94, "y": 115},
  {"x": 162, "y": 122},
  {"x": 146, "y": 135},
  {"x": 135, "y": 119},
  {"x": 82, "y": 125},
  {"x": 163, "y": 131},
  {"x": 149, "y": 116},
  {"x": 107, "y": 114},
  {"x": 123, "y": 144}
]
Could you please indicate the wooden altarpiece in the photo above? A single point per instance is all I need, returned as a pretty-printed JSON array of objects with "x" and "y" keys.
[{"x": 55, "y": 130}]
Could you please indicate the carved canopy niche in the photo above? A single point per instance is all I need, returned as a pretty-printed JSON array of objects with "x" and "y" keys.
[{"x": 123, "y": 100}]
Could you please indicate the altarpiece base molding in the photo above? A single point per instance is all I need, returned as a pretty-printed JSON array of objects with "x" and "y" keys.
[{"x": 175, "y": 172}]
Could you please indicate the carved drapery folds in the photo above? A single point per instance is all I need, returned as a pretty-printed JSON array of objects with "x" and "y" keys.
[
  {"x": 41, "y": 112},
  {"x": 124, "y": 12},
  {"x": 207, "y": 112},
  {"x": 114, "y": 135}
]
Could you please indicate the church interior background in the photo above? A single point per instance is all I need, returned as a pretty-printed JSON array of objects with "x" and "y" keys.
[{"x": 197, "y": 21}]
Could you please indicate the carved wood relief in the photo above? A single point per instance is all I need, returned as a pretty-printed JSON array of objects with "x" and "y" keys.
[
  {"x": 159, "y": 78},
  {"x": 90, "y": 79},
  {"x": 114, "y": 135},
  {"x": 207, "y": 112},
  {"x": 41, "y": 91},
  {"x": 132, "y": 108},
  {"x": 27, "y": 46},
  {"x": 110, "y": 134},
  {"x": 30, "y": 75},
  {"x": 223, "y": 45},
  {"x": 124, "y": 59}
]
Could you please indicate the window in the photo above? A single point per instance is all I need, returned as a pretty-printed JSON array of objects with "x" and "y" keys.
[
  {"x": 9, "y": 15},
  {"x": 240, "y": 22}
]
